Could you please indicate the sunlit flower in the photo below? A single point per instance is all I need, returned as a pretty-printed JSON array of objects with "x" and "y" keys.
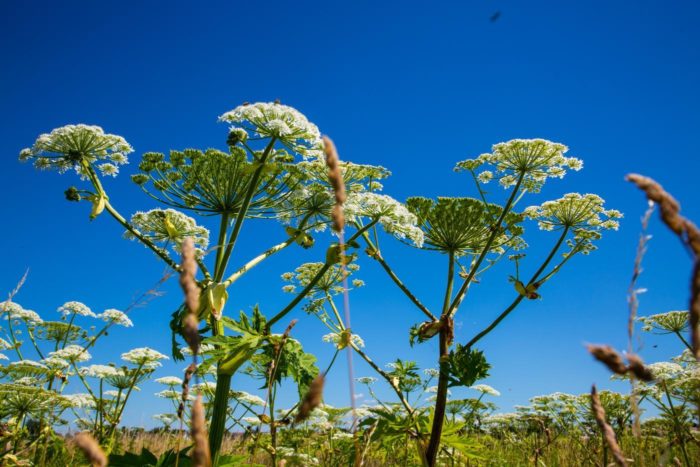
[
  {"x": 340, "y": 339},
  {"x": 15, "y": 311},
  {"x": 81, "y": 401},
  {"x": 56, "y": 363},
  {"x": 366, "y": 380},
  {"x": 269, "y": 119},
  {"x": 144, "y": 356},
  {"x": 169, "y": 380},
  {"x": 526, "y": 161},
  {"x": 70, "y": 146},
  {"x": 169, "y": 225},
  {"x": 485, "y": 389},
  {"x": 463, "y": 225},
  {"x": 99, "y": 371},
  {"x": 392, "y": 215},
  {"x": 166, "y": 418},
  {"x": 76, "y": 308},
  {"x": 669, "y": 322},
  {"x": 664, "y": 370},
  {"x": 72, "y": 353},
  {"x": 249, "y": 399},
  {"x": 115, "y": 316},
  {"x": 584, "y": 215}
]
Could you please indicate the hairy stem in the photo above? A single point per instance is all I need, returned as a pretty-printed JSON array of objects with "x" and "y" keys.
[{"x": 443, "y": 379}]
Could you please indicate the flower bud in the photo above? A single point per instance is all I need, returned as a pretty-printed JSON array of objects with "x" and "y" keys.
[{"x": 72, "y": 194}]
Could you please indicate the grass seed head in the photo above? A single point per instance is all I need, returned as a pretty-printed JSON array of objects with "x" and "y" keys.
[
  {"x": 609, "y": 357},
  {"x": 312, "y": 399},
  {"x": 91, "y": 449},
  {"x": 608, "y": 433},
  {"x": 200, "y": 451},
  {"x": 335, "y": 177}
]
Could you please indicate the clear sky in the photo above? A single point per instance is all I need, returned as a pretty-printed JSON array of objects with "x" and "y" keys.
[{"x": 412, "y": 86}]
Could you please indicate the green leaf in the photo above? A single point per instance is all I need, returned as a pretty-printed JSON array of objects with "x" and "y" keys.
[
  {"x": 148, "y": 459},
  {"x": 466, "y": 366}
]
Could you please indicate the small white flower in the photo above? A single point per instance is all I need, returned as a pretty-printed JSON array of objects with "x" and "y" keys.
[
  {"x": 81, "y": 401},
  {"x": 15, "y": 311},
  {"x": 486, "y": 389},
  {"x": 336, "y": 339},
  {"x": 485, "y": 176},
  {"x": 169, "y": 381},
  {"x": 99, "y": 371},
  {"x": 144, "y": 356},
  {"x": 73, "y": 353},
  {"x": 56, "y": 363},
  {"x": 77, "y": 308},
  {"x": 108, "y": 169},
  {"x": 249, "y": 399},
  {"x": 117, "y": 317},
  {"x": 366, "y": 380},
  {"x": 71, "y": 146}
]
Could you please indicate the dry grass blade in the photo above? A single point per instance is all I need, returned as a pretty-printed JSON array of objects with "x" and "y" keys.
[
  {"x": 91, "y": 449},
  {"x": 609, "y": 357},
  {"x": 608, "y": 433},
  {"x": 637, "y": 368},
  {"x": 190, "y": 325},
  {"x": 186, "y": 389},
  {"x": 200, "y": 450},
  {"x": 694, "y": 309},
  {"x": 689, "y": 235},
  {"x": 312, "y": 399},
  {"x": 337, "y": 183},
  {"x": 670, "y": 211}
]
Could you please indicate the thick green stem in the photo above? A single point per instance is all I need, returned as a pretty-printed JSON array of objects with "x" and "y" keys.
[
  {"x": 257, "y": 260},
  {"x": 240, "y": 217},
  {"x": 223, "y": 228},
  {"x": 441, "y": 396},
  {"x": 218, "y": 420}
]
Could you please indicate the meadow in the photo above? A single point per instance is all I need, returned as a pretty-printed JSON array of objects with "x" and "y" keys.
[{"x": 278, "y": 168}]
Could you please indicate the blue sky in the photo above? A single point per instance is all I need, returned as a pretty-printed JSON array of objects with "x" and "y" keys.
[{"x": 407, "y": 85}]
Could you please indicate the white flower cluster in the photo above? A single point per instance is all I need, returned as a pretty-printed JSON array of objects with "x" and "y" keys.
[
  {"x": 337, "y": 339},
  {"x": 56, "y": 363},
  {"x": 205, "y": 387},
  {"x": 15, "y": 311},
  {"x": 663, "y": 371},
  {"x": 76, "y": 308},
  {"x": 366, "y": 380},
  {"x": 582, "y": 214},
  {"x": 166, "y": 418},
  {"x": 173, "y": 395},
  {"x": 273, "y": 120},
  {"x": 531, "y": 161},
  {"x": 81, "y": 401},
  {"x": 117, "y": 317},
  {"x": 485, "y": 389},
  {"x": 248, "y": 399},
  {"x": 671, "y": 321},
  {"x": 169, "y": 381},
  {"x": 72, "y": 353},
  {"x": 100, "y": 371},
  {"x": 169, "y": 225},
  {"x": 144, "y": 356},
  {"x": 67, "y": 147},
  {"x": 392, "y": 215}
]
